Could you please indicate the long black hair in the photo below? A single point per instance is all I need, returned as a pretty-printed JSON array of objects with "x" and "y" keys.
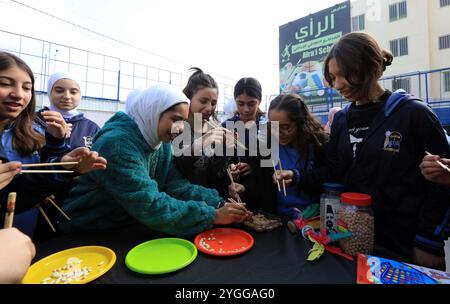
[
  {"x": 251, "y": 87},
  {"x": 309, "y": 129}
]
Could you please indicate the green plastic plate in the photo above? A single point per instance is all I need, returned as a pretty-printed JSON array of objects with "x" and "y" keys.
[{"x": 161, "y": 256}]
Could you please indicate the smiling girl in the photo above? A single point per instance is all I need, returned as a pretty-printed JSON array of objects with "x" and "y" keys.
[{"x": 142, "y": 184}]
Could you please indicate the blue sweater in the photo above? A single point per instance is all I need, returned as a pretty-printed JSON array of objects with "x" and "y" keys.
[{"x": 296, "y": 197}]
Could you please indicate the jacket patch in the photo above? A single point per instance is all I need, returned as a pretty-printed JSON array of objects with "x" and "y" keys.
[
  {"x": 88, "y": 141},
  {"x": 392, "y": 141}
]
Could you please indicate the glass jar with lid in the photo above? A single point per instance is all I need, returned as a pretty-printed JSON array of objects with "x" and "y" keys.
[
  {"x": 356, "y": 213},
  {"x": 330, "y": 201}
]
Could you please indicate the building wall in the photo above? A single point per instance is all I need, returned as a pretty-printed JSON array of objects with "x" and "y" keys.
[{"x": 425, "y": 22}]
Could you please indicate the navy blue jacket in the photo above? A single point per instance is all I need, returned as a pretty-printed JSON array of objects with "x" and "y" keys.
[
  {"x": 83, "y": 130},
  {"x": 409, "y": 211}
]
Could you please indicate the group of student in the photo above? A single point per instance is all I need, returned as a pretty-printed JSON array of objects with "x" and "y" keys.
[{"x": 376, "y": 145}]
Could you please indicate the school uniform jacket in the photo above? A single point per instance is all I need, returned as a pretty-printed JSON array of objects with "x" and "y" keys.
[{"x": 409, "y": 211}]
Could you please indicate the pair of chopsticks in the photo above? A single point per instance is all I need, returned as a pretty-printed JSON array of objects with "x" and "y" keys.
[
  {"x": 232, "y": 181},
  {"x": 236, "y": 142},
  {"x": 276, "y": 173},
  {"x": 439, "y": 163},
  {"x": 10, "y": 206},
  {"x": 48, "y": 199},
  {"x": 46, "y": 165}
]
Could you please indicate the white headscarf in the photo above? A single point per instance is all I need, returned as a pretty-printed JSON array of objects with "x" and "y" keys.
[
  {"x": 145, "y": 108},
  {"x": 51, "y": 82}
]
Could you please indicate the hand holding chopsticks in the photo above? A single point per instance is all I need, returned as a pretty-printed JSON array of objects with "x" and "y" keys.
[
  {"x": 439, "y": 163},
  {"x": 276, "y": 175},
  {"x": 436, "y": 169},
  {"x": 236, "y": 142},
  {"x": 232, "y": 181}
]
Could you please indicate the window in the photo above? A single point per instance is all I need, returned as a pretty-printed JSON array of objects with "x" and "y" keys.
[
  {"x": 446, "y": 81},
  {"x": 358, "y": 23},
  {"x": 398, "y": 11},
  {"x": 402, "y": 83},
  {"x": 399, "y": 47},
  {"x": 444, "y": 42},
  {"x": 445, "y": 3}
]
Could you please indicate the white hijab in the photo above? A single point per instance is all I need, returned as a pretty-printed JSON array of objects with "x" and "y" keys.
[
  {"x": 51, "y": 82},
  {"x": 145, "y": 108}
]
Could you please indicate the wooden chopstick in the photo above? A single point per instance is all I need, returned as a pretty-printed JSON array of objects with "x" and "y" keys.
[
  {"x": 439, "y": 163},
  {"x": 47, "y": 219},
  {"x": 48, "y": 164},
  {"x": 284, "y": 184},
  {"x": 59, "y": 209},
  {"x": 232, "y": 181},
  {"x": 276, "y": 173},
  {"x": 237, "y": 142},
  {"x": 46, "y": 171},
  {"x": 9, "y": 215}
]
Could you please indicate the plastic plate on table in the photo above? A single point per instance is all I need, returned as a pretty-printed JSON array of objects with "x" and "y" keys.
[
  {"x": 224, "y": 241},
  {"x": 77, "y": 265},
  {"x": 161, "y": 256}
]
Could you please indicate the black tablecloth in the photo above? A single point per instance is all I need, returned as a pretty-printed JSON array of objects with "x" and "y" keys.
[{"x": 277, "y": 257}]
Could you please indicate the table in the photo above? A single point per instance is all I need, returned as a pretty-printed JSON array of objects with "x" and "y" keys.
[{"x": 277, "y": 257}]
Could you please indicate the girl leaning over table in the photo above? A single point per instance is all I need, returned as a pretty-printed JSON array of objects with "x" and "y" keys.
[
  {"x": 301, "y": 147},
  {"x": 141, "y": 183}
]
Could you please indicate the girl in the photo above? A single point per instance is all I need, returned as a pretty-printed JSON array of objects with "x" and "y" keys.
[
  {"x": 376, "y": 146},
  {"x": 64, "y": 93},
  {"x": 201, "y": 169},
  {"x": 141, "y": 182},
  {"x": 248, "y": 95},
  {"x": 20, "y": 141},
  {"x": 301, "y": 147}
]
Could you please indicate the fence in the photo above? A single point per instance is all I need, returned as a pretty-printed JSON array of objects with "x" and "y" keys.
[
  {"x": 433, "y": 87},
  {"x": 105, "y": 80}
]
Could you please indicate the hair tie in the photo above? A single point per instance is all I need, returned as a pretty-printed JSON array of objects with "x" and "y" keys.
[{"x": 386, "y": 63}]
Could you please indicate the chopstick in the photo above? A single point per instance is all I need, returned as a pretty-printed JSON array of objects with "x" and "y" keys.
[
  {"x": 9, "y": 215},
  {"x": 47, "y": 219},
  {"x": 237, "y": 142},
  {"x": 59, "y": 209},
  {"x": 232, "y": 181},
  {"x": 46, "y": 171},
  {"x": 276, "y": 173},
  {"x": 48, "y": 164},
  {"x": 284, "y": 184},
  {"x": 439, "y": 163}
]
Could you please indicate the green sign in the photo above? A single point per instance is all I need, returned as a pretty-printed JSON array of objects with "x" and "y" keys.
[{"x": 304, "y": 44}]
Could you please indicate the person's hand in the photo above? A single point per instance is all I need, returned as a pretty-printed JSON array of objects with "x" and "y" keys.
[
  {"x": 208, "y": 140},
  {"x": 7, "y": 172},
  {"x": 244, "y": 169},
  {"x": 56, "y": 125},
  {"x": 235, "y": 190},
  {"x": 88, "y": 160},
  {"x": 286, "y": 175},
  {"x": 15, "y": 256},
  {"x": 426, "y": 259},
  {"x": 433, "y": 171},
  {"x": 69, "y": 130},
  {"x": 230, "y": 213}
]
